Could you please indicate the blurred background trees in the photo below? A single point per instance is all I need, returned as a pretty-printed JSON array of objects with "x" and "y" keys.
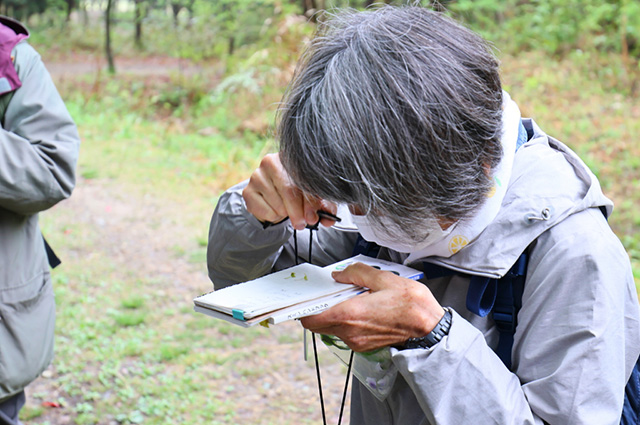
[
  {"x": 555, "y": 26},
  {"x": 209, "y": 29}
]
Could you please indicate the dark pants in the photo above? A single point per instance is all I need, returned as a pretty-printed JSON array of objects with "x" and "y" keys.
[{"x": 9, "y": 409}]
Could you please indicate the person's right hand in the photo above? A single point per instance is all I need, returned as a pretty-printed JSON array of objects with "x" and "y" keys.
[{"x": 271, "y": 196}]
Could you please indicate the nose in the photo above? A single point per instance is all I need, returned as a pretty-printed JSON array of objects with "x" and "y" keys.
[{"x": 355, "y": 210}]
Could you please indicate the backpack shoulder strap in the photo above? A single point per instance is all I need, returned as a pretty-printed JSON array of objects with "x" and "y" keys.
[
  {"x": 500, "y": 297},
  {"x": 370, "y": 249},
  {"x": 503, "y": 299},
  {"x": 507, "y": 304},
  {"x": 631, "y": 407}
]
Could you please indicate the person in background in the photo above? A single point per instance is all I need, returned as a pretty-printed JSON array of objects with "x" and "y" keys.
[
  {"x": 39, "y": 146},
  {"x": 396, "y": 119}
]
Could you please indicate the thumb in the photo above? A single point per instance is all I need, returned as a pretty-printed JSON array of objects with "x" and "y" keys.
[{"x": 364, "y": 275}]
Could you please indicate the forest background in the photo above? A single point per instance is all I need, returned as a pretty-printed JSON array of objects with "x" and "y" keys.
[{"x": 174, "y": 105}]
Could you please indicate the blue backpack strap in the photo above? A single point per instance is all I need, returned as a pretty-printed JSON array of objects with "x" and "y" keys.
[
  {"x": 507, "y": 304},
  {"x": 503, "y": 299},
  {"x": 370, "y": 249},
  {"x": 434, "y": 271},
  {"x": 481, "y": 295},
  {"x": 631, "y": 407},
  {"x": 500, "y": 297}
]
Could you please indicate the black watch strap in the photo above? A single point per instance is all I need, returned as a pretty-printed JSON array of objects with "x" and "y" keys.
[{"x": 428, "y": 341}]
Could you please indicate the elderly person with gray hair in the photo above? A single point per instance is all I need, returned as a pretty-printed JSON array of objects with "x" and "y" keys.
[{"x": 396, "y": 118}]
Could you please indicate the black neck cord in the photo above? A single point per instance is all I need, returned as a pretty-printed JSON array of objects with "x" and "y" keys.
[
  {"x": 315, "y": 355},
  {"x": 313, "y": 337},
  {"x": 295, "y": 245},
  {"x": 346, "y": 385}
]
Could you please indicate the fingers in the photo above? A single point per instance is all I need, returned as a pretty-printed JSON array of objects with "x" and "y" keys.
[
  {"x": 272, "y": 196},
  {"x": 261, "y": 199},
  {"x": 364, "y": 275},
  {"x": 329, "y": 207},
  {"x": 394, "y": 310},
  {"x": 328, "y": 320},
  {"x": 363, "y": 323}
]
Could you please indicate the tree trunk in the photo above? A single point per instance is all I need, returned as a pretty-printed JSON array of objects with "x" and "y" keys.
[
  {"x": 71, "y": 4},
  {"x": 85, "y": 14},
  {"x": 231, "y": 46},
  {"x": 175, "y": 8},
  {"x": 309, "y": 9},
  {"x": 138, "y": 15},
  {"x": 189, "y": 7},
  {"x": 107, "y": 20}
]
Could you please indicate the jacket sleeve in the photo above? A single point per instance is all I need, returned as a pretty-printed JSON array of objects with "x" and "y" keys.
[
  {"x": 39, "y": 141},
  {"x": 574, "y": 347},
  {"x": 240, "y": 249}
]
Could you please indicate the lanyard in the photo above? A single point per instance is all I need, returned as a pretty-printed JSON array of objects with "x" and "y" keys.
[{"x": 313, "y": 337}]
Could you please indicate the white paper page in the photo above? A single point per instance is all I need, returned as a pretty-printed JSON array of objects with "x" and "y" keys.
[
  {"x": 313, "y": 307},
  {"x": 274, "y": 291},
  {"x": 224, "y": 316},
  {"x": 398, "y": 269}
]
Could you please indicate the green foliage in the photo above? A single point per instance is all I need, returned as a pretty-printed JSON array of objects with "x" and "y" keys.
[
  {"x": 133, "y": 302},
  {"x": 239, "y": 22},
  {"x": 129, "y": 319},
  {"x": 555, "y": 26},
  {"x": 170, "y": 352},
  {"x": 22, "y": 9},
  {"x": 30, "y": 413},
  {"x": 212, "y": 29}
]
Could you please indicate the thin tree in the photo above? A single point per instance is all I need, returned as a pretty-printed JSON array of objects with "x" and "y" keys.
[
  {"x": 107, "y": 21},
  {"x": 138, "y": 16},
  {"x": 70, "y": 5}
]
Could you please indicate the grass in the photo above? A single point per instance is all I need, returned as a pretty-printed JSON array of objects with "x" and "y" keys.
[
  {"x": 129, "y": 348},
  {"x": 583, "y": 101}
]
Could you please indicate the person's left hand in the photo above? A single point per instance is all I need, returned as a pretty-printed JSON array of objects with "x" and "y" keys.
[{"x": 394, "y": 310}]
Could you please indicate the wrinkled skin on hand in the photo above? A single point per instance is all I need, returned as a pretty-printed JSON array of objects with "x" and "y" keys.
[
  {"x": 271, "y": 196},
  {"x": 394, "y": 310}
]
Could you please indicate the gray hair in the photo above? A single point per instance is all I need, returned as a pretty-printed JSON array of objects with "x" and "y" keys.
[{"x": 396, "y": 110}]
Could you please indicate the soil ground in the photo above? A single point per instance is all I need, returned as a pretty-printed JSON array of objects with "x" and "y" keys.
[{"x": 129, "y": 226}]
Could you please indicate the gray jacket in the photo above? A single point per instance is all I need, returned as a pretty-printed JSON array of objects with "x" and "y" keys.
[
  {"x": 38, "y": 153},
  {"x": 578, "y": 333}
]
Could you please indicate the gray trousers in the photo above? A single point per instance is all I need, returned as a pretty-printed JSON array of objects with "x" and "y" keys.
[{"x": 10, "y": 408}]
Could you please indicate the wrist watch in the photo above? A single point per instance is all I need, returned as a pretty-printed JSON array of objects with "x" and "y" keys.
[{"x": 428, "y": 341}]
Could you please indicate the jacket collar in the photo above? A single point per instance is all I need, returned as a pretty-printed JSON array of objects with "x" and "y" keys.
[{"x": 548, "y": 184}]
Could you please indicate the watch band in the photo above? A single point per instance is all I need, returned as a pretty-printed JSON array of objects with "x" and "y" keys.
[{"x": 435, "y": 336}]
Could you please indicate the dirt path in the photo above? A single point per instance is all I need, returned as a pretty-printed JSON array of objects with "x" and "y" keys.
[
  {"x": 140, "y": 232},
  {"x": 74, "y": 64}
]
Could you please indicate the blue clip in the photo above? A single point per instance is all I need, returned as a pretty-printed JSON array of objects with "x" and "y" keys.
[{"x": 238, "y": 314}]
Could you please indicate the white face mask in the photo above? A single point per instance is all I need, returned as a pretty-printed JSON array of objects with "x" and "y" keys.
[{"x": 373, "y": 233}]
